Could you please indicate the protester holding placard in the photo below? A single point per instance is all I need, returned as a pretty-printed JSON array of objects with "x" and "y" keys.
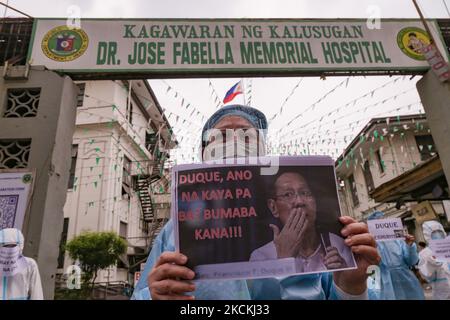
[
  {"x": 398, "y": 282},
  {"x": 436, "y": 272},
  {"x": 166, "y": 276},
  {"x": 20, "y": 279}
]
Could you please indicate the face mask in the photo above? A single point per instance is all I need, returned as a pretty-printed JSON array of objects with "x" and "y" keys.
[
  {"x": 437, "y": 235},
  {"x": 233, "y": 149},
  {"x": 10, "y": 261}
]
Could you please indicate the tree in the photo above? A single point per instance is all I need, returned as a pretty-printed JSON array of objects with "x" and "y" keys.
[{"x": 95, "y": 251}]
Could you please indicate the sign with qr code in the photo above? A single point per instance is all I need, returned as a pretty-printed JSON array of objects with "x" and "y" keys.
[{"x": 15, "y": 191}]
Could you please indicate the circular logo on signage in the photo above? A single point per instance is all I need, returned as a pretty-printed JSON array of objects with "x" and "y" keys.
[
  {"x": 412, "y": 40},
  {"x": 27, "y": 178},
  {"x": 65, "y": 44}
]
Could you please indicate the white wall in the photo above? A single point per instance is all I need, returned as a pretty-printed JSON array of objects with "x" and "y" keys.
[{"x": 104, "y": 137}]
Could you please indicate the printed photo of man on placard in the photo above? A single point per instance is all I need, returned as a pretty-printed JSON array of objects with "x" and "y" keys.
[
  {"x": 303, "y": 231},
  {"x": 264, "y": 225}
]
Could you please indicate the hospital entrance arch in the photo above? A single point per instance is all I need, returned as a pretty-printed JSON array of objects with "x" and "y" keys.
[{"x": 193, "y": 48}]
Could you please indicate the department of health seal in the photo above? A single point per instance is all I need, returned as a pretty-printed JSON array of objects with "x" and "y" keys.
[
  {"x": 64, "y": 44},
  {"x": 27, "y": 178}
]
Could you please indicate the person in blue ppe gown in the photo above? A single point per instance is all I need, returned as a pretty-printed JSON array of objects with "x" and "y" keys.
[
  {"x": 397, "y": 280},
  {"x": 165, "y": 276}
]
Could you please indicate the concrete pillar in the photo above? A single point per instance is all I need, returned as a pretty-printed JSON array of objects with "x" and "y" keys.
[
  {"x": 435, "y": 97},
  {"x": 51, "y": 131}
]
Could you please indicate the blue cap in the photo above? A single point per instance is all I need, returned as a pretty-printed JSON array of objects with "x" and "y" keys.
[
  {"x": 256, "y": 118},
  {"x": 376, "y": 215}
]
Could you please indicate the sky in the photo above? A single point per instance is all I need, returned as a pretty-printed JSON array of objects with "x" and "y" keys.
[
  {"x": 268, "y": 94},
  {"x": 231, "y": 8}
]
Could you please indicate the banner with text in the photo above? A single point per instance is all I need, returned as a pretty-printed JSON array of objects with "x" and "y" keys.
[
  {"x": 234, "y": 46},
  {"x": 386, "y": 229},
  {"x": 235, "y": 222},
  {"x": 441, "y": 249}
]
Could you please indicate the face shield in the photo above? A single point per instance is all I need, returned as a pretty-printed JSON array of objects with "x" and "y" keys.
[
  {"x": 433, "y": 230},
  {"x": 236, "y": 142},
  {"x": 233, "y": 143},
  {"x": 376, "y": 215},
  {"x": 437, "y": 235}
]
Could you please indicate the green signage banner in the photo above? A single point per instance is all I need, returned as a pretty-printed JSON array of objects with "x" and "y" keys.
[{"x": 202, "y": 46}]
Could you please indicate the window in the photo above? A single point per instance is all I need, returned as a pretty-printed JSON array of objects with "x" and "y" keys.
[
  {"x": 150, "y": 141},
  {"x": 129, "y": 113},
  {"x": 380, "y": 161},
  {"x": 73, "y": 165},
  {"x": 368, "y": 177},
  {"x": 126, "y": 176},
  {"x": 62, "y": 243},
  {"x": 353, "y": 190},
  {"x": 123, "y": 230},
  {"x": 426, "y": 146},
  {"x": 123, "y": 233},
  {"x": 22, "y": 103},
  {"x": 14, "y": 153},
  {"x": 80, "y": 95}
]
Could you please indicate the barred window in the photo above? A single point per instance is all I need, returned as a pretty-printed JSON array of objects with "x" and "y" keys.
[
  {"x": 14, "y": 153},
  {"x": 80, "y": 95},
  {"x": 22, "y": 103}
]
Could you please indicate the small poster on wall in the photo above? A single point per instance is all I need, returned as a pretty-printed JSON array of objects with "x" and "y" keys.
[{"x": 16, "y": 187}]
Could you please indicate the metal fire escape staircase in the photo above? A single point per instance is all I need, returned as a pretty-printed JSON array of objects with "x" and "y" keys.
[{"x": 143, "y": 189}]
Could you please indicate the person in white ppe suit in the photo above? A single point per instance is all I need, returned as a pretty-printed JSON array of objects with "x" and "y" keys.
[
  {"x": 436, "y": 272},
  {"x": 19, "y": 275}
]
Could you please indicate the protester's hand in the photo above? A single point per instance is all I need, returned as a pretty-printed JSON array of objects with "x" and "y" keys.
[
  {"x": 333, "y": 259},
  {"x": 288, "y": 240},
  {"x": 169, "y": 278},
  {"x": 409, "y": 239},
  {"x": 364, "y": 247}
]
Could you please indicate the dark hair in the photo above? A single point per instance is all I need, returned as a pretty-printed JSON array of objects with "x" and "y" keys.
[
  {"x": 422, "y": 244},
  {"x": 412, "y": 34}
]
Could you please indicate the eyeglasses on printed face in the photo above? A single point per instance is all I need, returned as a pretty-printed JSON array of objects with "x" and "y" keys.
[{"x": 291, "y": 196}]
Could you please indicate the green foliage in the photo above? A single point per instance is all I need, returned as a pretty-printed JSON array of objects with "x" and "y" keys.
[
  {"x": 68, "y": 294},
  {"x": 95, "y": 251}
]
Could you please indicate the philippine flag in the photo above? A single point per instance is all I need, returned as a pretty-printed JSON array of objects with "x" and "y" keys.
[{"x": 233, "y": 92}]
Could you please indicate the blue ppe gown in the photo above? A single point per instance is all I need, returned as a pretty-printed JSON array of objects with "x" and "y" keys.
[
  {"x": 398, "y": 282},
  {"x": 306, "y": 287}
]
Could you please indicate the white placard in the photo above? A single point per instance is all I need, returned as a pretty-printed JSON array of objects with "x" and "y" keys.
[
  {"x": 386, "y": 229},
  {"x": 441, "y": 249},
  {"x": 15, "y": 191}
]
